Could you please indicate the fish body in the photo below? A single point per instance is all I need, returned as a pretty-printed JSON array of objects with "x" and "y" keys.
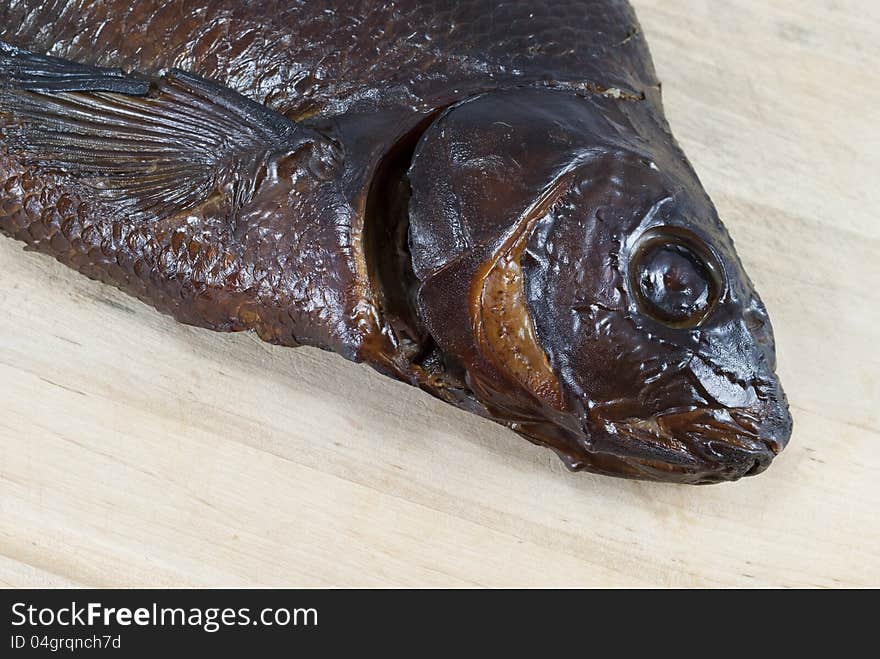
[{"x": 481, "y": 199}]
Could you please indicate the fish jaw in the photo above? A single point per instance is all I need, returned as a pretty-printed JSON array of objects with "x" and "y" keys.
[
  {"x": 707, "y": 445},
  {"x": 697, "y": 447}
]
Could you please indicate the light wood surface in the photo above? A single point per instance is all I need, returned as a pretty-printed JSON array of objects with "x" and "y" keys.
[{"x": 136, "y": 451}]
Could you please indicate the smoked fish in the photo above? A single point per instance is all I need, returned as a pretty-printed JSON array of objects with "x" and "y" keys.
[{"x": 482, "y": 199}]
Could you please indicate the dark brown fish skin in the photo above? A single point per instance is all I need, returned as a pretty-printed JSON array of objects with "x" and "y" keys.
[{"x": 320, "y": 255}]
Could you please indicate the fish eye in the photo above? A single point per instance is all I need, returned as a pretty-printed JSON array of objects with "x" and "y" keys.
[{"x": 674, "y": 277}]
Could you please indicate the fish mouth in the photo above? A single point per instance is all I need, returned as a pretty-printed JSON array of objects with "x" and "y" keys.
[{"x": 707, "y": 445}]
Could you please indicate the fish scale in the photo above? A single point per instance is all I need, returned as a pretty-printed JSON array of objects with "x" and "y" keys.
[{"x": 282, "y": 53}]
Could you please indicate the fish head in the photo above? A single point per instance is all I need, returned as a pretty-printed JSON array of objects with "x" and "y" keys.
[
  {"x": 608, "y": 313},
  {"x": 655, "y": 331}
]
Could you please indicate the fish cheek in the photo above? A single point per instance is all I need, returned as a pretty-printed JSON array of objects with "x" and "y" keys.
[
  {"x": 603, "y": 357},
  {"x": 572, "y": 340}
]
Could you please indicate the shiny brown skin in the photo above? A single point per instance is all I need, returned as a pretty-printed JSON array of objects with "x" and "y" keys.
[{"x": 457, "y": 204}]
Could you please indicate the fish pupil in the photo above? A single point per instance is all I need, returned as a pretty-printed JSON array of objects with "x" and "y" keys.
[{"x": 675, "y": 285}]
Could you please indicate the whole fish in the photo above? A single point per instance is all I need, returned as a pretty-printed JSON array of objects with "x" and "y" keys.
[{"x": 482, "y": 199}]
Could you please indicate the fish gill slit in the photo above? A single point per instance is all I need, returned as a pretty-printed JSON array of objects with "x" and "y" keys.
[{"x": 387, "y": 253}]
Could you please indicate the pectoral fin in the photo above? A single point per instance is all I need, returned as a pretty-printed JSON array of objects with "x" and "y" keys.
[
  {"x": 23, "y": 70},
  {"x": 153, "y": 147}
]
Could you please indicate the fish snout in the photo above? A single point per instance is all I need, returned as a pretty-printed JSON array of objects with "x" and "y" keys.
[
  {"x": 751, "y": 453},
  {"x": 760, "y": 331},
  {"x": 776, "y": 425},
  {"x": 735, "y": 461}
]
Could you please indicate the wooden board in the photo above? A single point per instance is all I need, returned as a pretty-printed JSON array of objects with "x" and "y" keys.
[{"x": 135, "y": 451}]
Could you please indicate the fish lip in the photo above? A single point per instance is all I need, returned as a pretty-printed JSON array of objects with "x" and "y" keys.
[
  {"x": 705, "y": 445},
  {"x": 736, "y": 461}
]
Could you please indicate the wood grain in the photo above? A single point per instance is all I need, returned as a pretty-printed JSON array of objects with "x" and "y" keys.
[{"x": 135, "y": 451}]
